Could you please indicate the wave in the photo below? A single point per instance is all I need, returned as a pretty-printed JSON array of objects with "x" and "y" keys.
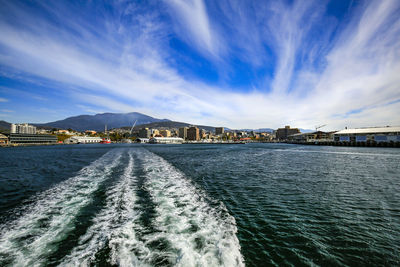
[
  {"x": 35, "y": 235},
  {"x": 191, "y": 232},
  {"x": 114, "y": 227},
  {"x": 182, "y": 229}
]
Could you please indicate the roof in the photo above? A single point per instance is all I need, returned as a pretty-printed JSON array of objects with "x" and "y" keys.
[
  {"x": 370, "y": 130},
  {"x": 299, "y": 134},
  {"x": 2, "y": 136},
  {"x": 167, "y": 138}
]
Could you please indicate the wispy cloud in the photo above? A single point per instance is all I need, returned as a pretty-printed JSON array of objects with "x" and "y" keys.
[
  {"x": 306, "y": 74},
  {"x": 193, "y": 25},
  {"x": 2, "y": 99}
]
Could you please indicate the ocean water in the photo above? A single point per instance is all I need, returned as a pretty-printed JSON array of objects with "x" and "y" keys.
[{"x": 199, "y": 205}]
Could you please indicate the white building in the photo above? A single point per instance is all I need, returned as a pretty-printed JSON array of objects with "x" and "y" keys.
[
  {"x": 166, "y": 140},
  {"x": 82, "y": 140},
  {"x": 23, "y": 128},
  {"x": 142, "y": 140},
  {"x": 373, "y": 134}
]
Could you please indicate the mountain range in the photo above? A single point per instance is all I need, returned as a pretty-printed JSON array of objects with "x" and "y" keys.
[{"x": 99, "y": 121}]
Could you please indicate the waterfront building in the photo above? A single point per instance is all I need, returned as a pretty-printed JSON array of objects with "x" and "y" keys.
[
  {"x": 3, "y": 139},
  {"x": 82, "y": 140},
  {"x": 19, "y": 138},
  {"x": 372, "y": 134},
  {"x": 166, "y": 140},
  {"x": 165, "y": 133},
  {"x": 317, "y": 136},
  {"x": 193, "y": 133},
  {"x": 142, "y": 140},
  {"x": 219, "y": 130},
  {"x": 22, "y": 128},
  {"x": 183, "y": 132},
  {"x": 144, "y": 133},
  {"x": 283, "y": 133}
]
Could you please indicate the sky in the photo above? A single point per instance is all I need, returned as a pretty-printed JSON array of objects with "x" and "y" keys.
[{"x": 238, "y": 64}]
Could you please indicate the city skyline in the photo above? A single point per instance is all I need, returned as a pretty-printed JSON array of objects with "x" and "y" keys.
[{"x": 235, "y": 64}]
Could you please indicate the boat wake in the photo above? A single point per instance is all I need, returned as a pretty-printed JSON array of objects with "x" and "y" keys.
[{"x": 182, "y": 228}]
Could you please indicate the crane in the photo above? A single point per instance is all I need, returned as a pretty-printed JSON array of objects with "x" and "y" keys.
[
  {"x": 130, "y": 133},
  {"x": 317, "y": 127}
]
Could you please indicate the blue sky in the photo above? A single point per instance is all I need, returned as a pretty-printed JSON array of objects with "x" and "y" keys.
[{"x": 240, "y": 64}]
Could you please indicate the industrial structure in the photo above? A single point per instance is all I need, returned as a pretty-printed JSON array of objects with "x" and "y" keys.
[{"x": 22, "y": 128}]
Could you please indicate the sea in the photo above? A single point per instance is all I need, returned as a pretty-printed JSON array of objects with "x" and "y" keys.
[{"x": 199, "y": 205}]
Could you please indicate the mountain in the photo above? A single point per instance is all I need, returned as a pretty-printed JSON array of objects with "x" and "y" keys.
[
  {"x": 98, "y": 121},
  {"x": 5, "y": 126},
  {"x": 169, "y": 124}
]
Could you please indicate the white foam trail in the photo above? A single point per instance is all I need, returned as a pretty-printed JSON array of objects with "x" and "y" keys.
[
  {"x": 33, "y": 236},
  {"x": 198, "y": 234},
  {"x": 115, "y": 224}
]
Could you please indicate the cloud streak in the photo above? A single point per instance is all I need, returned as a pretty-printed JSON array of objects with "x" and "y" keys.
[{"x": 301, "y": 73}]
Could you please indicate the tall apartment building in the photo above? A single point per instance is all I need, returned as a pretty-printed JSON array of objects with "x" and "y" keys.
[
  {"x": 23, "y": 128},
  {"x": 283, "y": 133},
  {"x": 219, "y": 130},
  {"x": 183, "y": 132},
  {"x": 144, "y": 133},
  {"x": 193, "y": 133}
]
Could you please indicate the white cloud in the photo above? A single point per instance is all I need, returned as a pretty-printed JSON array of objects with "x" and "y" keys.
[
  {"x": 193, "y": 25},
  {"x": 360, "y": 70}
]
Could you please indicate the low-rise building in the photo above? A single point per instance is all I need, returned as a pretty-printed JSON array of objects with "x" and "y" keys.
[
  {"x": 82, "y": 140},
  {"x": 166, "y": 140},
  {"x": 18, "y": 138},
  {"x": 372, "y": 134},
  {"x": 142, "y": 140}
]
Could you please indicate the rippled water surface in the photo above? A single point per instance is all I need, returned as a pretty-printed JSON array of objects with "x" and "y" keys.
[{"x": 199, "y": 205}]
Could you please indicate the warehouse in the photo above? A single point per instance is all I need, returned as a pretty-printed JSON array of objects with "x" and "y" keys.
[{"x": 369, "y": 135}]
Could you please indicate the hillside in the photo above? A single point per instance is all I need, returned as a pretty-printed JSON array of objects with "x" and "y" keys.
[
  {"x": 98, "y": 121},
  {"x": 169, "y": 124},
  {"x": 5, "y": 126}
]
